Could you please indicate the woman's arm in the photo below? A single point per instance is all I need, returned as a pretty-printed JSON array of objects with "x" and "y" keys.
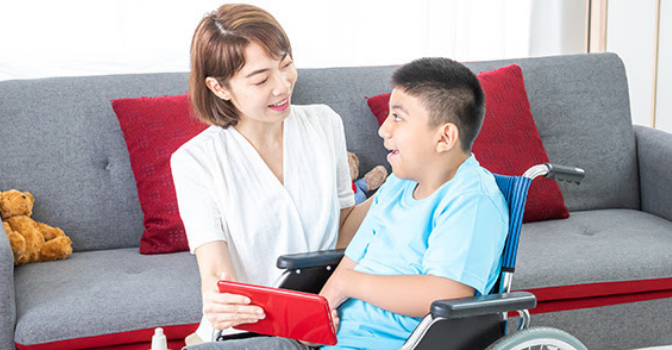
[
  {"x": 409, "y": 295},
  {"x": 351, "y": 218},
  {"x": 223, "y": 310}
]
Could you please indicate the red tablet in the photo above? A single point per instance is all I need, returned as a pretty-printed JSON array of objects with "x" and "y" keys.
[{"x": 289, "y": 314}]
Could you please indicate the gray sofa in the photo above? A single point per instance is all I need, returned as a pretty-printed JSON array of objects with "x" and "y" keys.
[{"x": 61, "y": 141}]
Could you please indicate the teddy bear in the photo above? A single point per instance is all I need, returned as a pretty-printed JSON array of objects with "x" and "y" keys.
[
  {"x": 371, "y": 180},
  {"x": 31, "y": 241}
]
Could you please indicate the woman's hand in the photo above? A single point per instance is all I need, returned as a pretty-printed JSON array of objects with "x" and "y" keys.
[{"x": 225, "y": 310}]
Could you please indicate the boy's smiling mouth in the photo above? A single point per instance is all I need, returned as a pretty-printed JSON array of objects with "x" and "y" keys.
[{"x": 393, "y": 152}]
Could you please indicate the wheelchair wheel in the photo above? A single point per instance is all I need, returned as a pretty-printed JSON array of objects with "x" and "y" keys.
[{"x": 538, "y": 338}]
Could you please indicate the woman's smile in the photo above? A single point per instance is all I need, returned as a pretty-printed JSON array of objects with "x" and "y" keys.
[{"x": 280, "y": 106}]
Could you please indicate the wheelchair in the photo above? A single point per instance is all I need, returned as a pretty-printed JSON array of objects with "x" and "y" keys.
[{"x": 479, "y": 322}]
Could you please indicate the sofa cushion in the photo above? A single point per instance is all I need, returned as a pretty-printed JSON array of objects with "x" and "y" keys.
[
  {"x": 92, "y": 294},
  {"x": 614, "y": 253},
  {"x": 509, "y": 142},
  {"x": 154, "y": 128}
]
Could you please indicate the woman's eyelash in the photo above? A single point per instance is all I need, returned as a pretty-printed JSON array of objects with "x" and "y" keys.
[{"x": 261, "y": 82}]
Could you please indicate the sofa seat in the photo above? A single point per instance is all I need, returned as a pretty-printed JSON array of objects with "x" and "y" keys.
[
  {"x": 106, "y": 298},
  {"x": 608, "y": 257}
]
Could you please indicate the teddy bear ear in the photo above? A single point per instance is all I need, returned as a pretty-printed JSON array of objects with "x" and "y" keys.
[{"x": 28, "y": 194}]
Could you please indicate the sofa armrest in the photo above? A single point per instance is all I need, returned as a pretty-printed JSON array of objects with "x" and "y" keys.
[
  {"x": 483, "y": 305},
  {"x": 7, "y": 299},
  {"x": 654, "y": 151}
]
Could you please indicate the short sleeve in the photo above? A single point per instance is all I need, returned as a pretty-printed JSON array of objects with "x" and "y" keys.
[
  {"x": 346, "y": 196},
  {"x": 203, "y": 221},
  {"x": 359, "y": 243},
  {"x": 466, "y": 243}
]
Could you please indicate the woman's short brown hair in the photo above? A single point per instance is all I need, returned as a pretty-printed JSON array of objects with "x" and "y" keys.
[{"x": 217, "y": 51}]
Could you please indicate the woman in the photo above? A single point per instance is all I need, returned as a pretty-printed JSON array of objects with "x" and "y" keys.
[{"x": 266, "y": 178}]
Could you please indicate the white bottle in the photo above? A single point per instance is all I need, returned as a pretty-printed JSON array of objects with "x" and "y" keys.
[{"x": 159, "y": 341}]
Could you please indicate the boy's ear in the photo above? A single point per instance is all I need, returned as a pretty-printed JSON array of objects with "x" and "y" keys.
[
  {"x": 448, "y": 136},
  {"x": 217, "y": 89}
]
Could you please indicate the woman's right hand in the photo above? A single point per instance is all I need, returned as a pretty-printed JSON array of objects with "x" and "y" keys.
[{"x": 225, "y": 310}]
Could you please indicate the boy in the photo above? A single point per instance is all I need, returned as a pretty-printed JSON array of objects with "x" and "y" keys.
[{"x": 437, "y": 226}]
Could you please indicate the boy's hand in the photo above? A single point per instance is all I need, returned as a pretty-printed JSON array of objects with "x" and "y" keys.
[
  {"x": 337, "y": 323},
  {"x": 334, "y": 289},
  {"x": 336, "y": 319}
]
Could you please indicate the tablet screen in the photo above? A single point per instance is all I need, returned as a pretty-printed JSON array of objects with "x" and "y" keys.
[{"x": 289, "y": 314}]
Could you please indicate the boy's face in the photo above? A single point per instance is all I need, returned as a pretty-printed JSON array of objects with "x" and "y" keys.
[{"x": 408, "y": 136}]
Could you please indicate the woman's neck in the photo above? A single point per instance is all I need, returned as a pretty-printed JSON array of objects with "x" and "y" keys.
[{"x": 261, "y": 135}]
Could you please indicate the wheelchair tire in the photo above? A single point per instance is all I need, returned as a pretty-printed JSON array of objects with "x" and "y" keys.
[{"x": 538, "y": 338}]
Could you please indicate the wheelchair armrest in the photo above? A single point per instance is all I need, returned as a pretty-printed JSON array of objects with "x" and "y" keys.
[
  {"x": 483, "y": 305},
  {"x": 310, "y": 259}
]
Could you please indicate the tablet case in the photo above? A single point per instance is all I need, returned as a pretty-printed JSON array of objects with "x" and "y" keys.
[{"x": 289, "y": 314}]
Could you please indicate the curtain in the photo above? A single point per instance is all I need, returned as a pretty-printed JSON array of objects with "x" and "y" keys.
[{"x": 40, "y": 38}]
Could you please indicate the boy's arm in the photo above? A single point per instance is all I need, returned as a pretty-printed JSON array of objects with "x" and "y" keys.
[{"x": 409, "y": 295}]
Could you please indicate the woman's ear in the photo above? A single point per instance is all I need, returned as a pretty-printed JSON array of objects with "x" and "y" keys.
[
  {"x": 217, "y": 89},
  {"x": 448, "y": 136}
]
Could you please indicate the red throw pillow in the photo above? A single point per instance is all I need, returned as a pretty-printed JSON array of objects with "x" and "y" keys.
[
  {"x": 154, "y": 128},
  {"x": 509, "y": 141}
]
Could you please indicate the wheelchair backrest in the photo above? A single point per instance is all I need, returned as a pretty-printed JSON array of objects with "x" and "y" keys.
[{"x": 514, "y": 189}]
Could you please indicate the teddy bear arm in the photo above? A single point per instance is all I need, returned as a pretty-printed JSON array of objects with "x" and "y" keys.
[
  {"x": 18, "y": 244},
  {"x": 49, "y": 232},
  {"x": 55, "y": 249},
  {"x": 375, "y": 177},
  {"x": 28, "y": 228}
]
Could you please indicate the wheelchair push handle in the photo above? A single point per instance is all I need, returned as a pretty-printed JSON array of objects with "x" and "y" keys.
[
  {"x": 556, "y": 172},
  {"x": 565, "y": 173}
]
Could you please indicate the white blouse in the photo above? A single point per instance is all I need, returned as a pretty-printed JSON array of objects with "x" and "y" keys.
[{"x": 225, "y": 192}]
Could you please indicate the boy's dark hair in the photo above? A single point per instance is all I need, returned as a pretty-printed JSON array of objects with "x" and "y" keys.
[{"x": 450, "y": 92}]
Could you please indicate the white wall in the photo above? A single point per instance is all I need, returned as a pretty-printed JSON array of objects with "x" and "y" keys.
[
  {"x": 630, "y": 34},
  {"x": 664, "y": 99}
]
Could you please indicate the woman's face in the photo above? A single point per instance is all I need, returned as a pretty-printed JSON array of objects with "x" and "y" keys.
[{"x": 262, "y": 89}]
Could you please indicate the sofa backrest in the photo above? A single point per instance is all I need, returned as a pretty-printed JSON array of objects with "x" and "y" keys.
[
  {"x": 580, "y": 105},
  {"x": 61, "y": 141}
]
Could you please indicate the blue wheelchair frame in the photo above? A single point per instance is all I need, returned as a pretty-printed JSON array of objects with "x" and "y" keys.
[{"x": 466, "y": 323}]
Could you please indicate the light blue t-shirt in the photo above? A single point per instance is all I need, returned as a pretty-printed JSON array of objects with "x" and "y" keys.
[{"x": 458, "y": 232}]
